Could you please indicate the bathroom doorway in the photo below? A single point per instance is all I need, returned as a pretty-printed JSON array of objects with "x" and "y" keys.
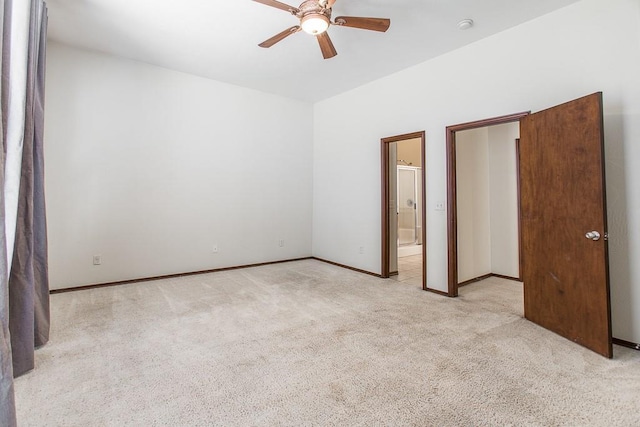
[{"x": 403, "y": 213}]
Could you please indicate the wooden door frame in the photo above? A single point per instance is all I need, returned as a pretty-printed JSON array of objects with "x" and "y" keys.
[
  {"x": 452, "y": 204},
  {"x": 384, "y": 156}
]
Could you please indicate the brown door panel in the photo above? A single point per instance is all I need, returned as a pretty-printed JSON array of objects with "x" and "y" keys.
[{"x": 565, "y": 274}]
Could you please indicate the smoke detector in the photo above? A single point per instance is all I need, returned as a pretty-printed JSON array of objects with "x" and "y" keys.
[{"x": 465, "y": 24}]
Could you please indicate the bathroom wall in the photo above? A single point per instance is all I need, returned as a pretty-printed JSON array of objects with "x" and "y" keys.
[{"x": 409, "y": 151}]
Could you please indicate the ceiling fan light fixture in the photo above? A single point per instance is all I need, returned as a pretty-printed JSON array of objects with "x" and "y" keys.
[
  {"x": 314, "y": 23},
  {"x": 315, "y": 18}
]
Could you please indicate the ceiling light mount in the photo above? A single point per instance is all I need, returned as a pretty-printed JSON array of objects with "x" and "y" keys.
[{"x": 465, "y": 24}]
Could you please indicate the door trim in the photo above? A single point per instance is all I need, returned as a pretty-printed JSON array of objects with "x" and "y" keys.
[
  {"x": 384, "y": 156},
  {"x": 452, "y": 205}
]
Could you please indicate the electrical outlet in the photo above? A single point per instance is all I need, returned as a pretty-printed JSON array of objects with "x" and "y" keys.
[
  {"x": 361, "y": 250},
  {"x": 281, "y": 243},
  {"x": 215, "y": 249},
  {"x": 439, "y": 206},
  {"x": 97, "y": 259}
]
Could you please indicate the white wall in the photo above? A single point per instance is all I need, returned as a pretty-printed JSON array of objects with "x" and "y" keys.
[
  {"x": 503, "y": 188},
  {"x": 590, "y": 46},
  {"x": 474, "y": 204},
  {"x": 150, "y": 168}
]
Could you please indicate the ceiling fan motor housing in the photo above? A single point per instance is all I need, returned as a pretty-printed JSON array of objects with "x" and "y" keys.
[{"x": 313, "y": 8}]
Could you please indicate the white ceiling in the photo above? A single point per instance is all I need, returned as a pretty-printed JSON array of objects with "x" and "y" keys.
[{"x": 219, "y": 39}]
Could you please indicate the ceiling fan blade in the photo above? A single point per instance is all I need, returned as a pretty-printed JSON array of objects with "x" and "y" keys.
[
  {"x": 280, "y": 36},
  {"x": 374, "y": 24},
  {"x": 326, "y": 46},
  {"x": 279, "y": 5}
]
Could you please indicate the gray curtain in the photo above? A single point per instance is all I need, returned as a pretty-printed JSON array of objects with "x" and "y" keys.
[
  {"x": 24, "y": 289},
  {"x": 29, "y": 281},
  {"x": 7, "y": 403}
]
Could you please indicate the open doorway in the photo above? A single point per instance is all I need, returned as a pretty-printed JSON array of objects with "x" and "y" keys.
[
  {"x": 483, "y": 201},
  {"x": 403, "y": 208},
  {"x": 562, "y": 219}
]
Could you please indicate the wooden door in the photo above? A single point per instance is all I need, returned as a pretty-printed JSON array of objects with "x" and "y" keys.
[{"x": 563, "y": 210}]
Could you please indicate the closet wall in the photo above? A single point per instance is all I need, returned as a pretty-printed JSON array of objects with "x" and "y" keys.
[{"x": 487, "y": 199}]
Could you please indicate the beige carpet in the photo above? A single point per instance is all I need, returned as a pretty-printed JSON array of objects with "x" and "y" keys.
[{"x": 307, "y": 343}]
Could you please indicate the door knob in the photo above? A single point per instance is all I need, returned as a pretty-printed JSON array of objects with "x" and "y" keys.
[{"x": 593, "y": 235}]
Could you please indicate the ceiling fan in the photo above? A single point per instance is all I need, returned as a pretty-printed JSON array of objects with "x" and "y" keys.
[{"x": 315, "y": 18}]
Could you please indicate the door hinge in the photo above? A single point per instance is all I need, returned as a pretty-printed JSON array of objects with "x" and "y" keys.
[{"x": 606, "y": 236}]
